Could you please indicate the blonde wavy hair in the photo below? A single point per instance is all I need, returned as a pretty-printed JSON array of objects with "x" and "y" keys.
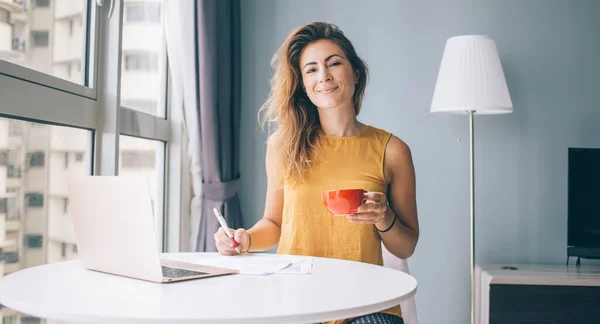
[{"x": 297, "y": 119}]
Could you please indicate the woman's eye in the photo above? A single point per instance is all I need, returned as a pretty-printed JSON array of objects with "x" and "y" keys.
[
  {"x": 310, "y": 70},
  {"x": 335, "y": 63}
]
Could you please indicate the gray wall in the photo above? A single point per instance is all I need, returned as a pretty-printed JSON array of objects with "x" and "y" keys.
[{"x": 550, "y": 51}]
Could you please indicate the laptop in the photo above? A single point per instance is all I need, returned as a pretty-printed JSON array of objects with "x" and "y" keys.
[{"x": 115, "y": 231}]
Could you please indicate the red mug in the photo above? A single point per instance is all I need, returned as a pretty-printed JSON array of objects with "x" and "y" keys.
[{"x": 343, "y": 201}]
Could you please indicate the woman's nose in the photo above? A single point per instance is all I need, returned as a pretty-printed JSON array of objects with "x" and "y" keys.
[{"x": 324, "y": 75}]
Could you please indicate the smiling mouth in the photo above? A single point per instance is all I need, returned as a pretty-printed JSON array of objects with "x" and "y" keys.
[{"x": 330, "y": 90}]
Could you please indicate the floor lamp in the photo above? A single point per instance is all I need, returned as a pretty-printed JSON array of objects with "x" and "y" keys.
[{"x": 471, "y": 81}]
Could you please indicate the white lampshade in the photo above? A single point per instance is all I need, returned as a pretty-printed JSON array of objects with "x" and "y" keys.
[{"x": 471, "y": 78}]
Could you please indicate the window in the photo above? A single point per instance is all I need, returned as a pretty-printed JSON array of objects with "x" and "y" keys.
[
  {"x": 63, "y": 249},
  {"x": 35, "y": 159},
  {"x": 3, "y": 204},
  {"x": 34, "y": 241},
  {"x": 39, "y": 38},
  {"x": 34, "y": 199},
  {"x": 10, "y": 257},
  {"x": 42, "y": 3},
  {"x": 142, "y": 12},
  {"x": 59, "y": 90}
]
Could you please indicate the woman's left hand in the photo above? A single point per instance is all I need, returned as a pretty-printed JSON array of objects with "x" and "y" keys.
[{"x": 374, "y": 210}]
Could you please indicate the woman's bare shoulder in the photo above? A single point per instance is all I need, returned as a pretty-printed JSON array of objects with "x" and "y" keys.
[{"x": 398, "y": 157}]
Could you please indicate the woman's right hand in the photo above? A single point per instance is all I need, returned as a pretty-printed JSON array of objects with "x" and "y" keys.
[{"x": 225, "y": 244}]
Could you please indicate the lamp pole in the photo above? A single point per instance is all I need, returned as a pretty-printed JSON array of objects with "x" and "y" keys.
[{"x": 472, "y": 213}]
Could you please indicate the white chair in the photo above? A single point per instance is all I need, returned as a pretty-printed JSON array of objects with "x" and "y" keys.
[{"x": 408, "y": 306}]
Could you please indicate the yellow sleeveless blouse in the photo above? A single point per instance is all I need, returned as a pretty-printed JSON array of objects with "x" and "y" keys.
[{"x": 346, "y": 162}]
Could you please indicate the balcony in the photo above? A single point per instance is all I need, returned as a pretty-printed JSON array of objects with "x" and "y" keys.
[
  {"x": 18, "y": 45},
  {"x": 15, "y": 6}
]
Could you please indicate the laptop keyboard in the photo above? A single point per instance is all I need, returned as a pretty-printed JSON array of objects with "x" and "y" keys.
[{"x": 178, "y": 273}]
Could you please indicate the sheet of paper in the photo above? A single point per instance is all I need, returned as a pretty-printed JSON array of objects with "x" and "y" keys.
[
  {"x": 255, "y": 264},
  {"x": 303, "y": 266}
]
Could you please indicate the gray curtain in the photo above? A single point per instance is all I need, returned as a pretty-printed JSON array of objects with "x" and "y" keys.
[{"x": 218, "y": 52}]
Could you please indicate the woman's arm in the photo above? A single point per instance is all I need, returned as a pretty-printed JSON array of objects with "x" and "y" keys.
[
  {"x": 402, "y": 238},
  {"x": 266, "y": 232}
]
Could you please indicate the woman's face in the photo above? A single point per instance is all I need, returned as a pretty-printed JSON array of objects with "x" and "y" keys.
[{"x": 327, "y": 75}]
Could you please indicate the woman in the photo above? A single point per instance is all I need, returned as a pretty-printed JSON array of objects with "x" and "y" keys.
[{"x": 319, "y": 144}]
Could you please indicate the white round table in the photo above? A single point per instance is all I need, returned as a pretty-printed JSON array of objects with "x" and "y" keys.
[{"x": 335, "y": 289}]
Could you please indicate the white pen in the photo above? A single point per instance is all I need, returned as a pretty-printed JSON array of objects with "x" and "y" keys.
[{"x": 223, "y": 223}]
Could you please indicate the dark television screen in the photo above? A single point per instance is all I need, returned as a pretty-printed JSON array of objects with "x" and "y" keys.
[{"x": 584, "y": 197}]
